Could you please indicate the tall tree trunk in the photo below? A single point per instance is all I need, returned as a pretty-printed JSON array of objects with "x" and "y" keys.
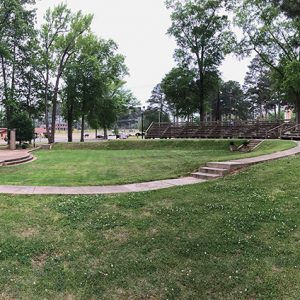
[
  {"x": 54, "y": 109},
  {"x": 28, "y": 102},
  {"x": 201, "y": 99},
  {"x": 70, "y": 123},
  {"x": 13, "y": 73},
  {"x": 46, "y": 105},
  {"x": 297, "y": 111},
  {"x": 60, "y": 69},
  {"x": 5, "y": 102},
  {"x": 55, "y": 96},
  {"x": 200, "y": 82},
  {"x": 105, "y": 132},
  {"x": 82, "y": 129}
]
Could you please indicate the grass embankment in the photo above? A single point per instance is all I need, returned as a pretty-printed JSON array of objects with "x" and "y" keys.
[
  {"x": 117, "y": 162},
  {"x": 234, "y": 238}
]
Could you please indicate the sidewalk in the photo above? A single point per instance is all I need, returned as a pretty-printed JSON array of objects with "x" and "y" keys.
[{"x": 135, "y": 187}]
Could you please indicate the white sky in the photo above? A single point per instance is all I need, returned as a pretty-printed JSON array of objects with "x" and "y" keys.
[{"x": 139, "y": 28}]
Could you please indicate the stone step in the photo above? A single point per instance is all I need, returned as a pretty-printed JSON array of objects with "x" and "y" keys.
[
  {"x": 206, "y": 176},
  {"x": 225, "y": 165},
  {"x": 218, "y": 171},
  {"x": 27, "y": 155},
  {"x": 46, "y": 146},
  {"x": 18, "y": 161},
  {"x": 290, "y": 137},
  {"x": 253, "y": 143}
]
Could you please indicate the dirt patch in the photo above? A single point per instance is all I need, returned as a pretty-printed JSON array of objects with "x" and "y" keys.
[
  {"x": 122, "y": 294},
  {"x": 28, "y": 232},
  {"x": 117, "y": 234},
  {"x": 4, "y": 296},
  {"x": 39, "y": 261},
  {"x": 69, "y": 297},
  {"x": 146, "y": 213},
  {"x": 277, "y": 269},
  {"x": 153, "y": 232}
]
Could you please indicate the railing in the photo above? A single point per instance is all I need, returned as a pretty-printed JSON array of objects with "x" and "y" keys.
[
  {"x": 277, "y": 128},
  {"x": 149, "y": 127},
  {"x": 290, "y": 128}
]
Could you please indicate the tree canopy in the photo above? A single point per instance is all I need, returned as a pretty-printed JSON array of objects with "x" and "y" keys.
[{"x": 203, "y": 38}]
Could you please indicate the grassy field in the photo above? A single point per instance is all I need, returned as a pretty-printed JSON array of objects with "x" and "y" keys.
[
  {"x": 234, "y": 238},
  {"x": 118, "y": 162}
]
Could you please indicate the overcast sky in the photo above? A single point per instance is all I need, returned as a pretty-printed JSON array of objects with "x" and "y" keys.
[{"x": 139, "y": 28}]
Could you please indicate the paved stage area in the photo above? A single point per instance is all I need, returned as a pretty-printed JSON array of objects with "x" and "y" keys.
[{"x": 6, "y": 155}]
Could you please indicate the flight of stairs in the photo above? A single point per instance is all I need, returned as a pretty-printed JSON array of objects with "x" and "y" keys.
[
  {"x": 214, "y": 170},
  {"x": 253, "y": 144},
  {"x": 291, "y": 135}
]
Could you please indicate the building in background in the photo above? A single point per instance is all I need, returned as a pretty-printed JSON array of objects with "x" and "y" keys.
[{"x": 3, "y": 133}]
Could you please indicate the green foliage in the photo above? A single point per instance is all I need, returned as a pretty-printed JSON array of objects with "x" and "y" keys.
[
  {"x": 23, "y": 125},
  {"x": 290, "y": 7},
  {"x": 201, "y": 32},
  {"x": 274, "y": 38},
  {"x": 19, "y": 77},
  {"x": 1, "y": 118},
  {"x": 158, "y": 101},
  {"x": 154, "y": 115},
  {"x": 61, "y": 36},
  {"x": 180, "y": 90},
  {"x": 292, "y": 77},
  {"x": 233, "y": 104},
  {"x": 259, "y": 90}
]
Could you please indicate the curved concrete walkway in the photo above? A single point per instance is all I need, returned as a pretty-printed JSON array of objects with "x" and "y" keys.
[{"x": 136, "y": 187}]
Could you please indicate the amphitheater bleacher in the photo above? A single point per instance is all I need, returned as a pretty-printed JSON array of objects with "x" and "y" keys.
[{"x": 227, "y": 129}]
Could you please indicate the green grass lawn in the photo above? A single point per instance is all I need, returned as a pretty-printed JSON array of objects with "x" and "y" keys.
[
  {"x": 234, "y": 238},
  {"x": 118, "y": 162}
]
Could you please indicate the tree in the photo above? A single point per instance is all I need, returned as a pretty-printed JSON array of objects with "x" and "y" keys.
[
  {"x": 60, "y": 36},
  {"x": 71, "y": 98},
  {"x": 1, "y": 118},
  {"x": 94, "y": 84},
  {"x": 180, "y": 91},
  {"x": 290, "y": 7},
  {"x": 157, "y": 102},
  {"x": 17, "y": 39},
  {"x": 233, "y": 104},
  {"x": 23, "y": 125},
  {"x": 274, "y": 38},
  {"x": 109, "y": 106},
  {"x": 258, "y": 88},
  {"x": 202, "y": 36}
]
